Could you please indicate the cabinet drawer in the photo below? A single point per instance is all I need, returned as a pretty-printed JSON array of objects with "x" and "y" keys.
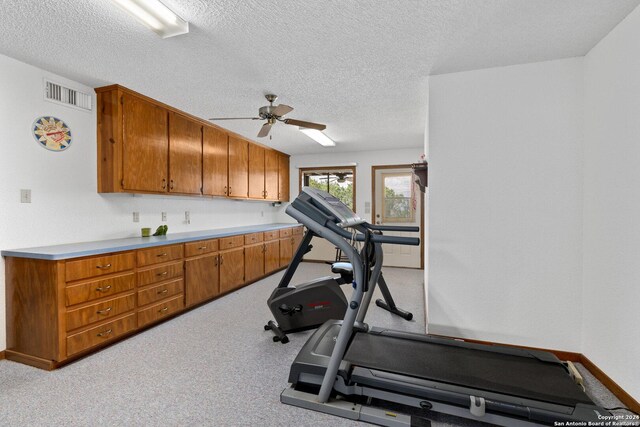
[
  {"x": 100, "y": 311},
  {"x": 286, "y": 232},
  {"x": 271, "y": 235},
  {"x": 160, "y": 274},
  {"x": 89, "y": 291},
  {"x": 99, "y": 266},
  {"x": 100, "y": 334},
  {"x": 231, "y": 242},
  {"x": 297, "y": 230},
  {"x": 158, "y": 311},
  {"x": 158, "y": 292},
  {"x": 250, "y": 239},
  {"x": 200, "y": 248},
  {"x": 159, "y": 254}
]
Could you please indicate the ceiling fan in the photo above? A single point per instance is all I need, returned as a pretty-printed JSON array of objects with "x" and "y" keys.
[
  {"x": 272, "y": 114},
  {"x": 339, "y": 177}
]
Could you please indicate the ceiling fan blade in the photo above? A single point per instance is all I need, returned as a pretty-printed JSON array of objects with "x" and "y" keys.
[
  {"x": 264, "y": 130},
  {"x": 235, "y": 118},
  {"x": 304, "y": 124},
  {"x": 281, "y": 110}
]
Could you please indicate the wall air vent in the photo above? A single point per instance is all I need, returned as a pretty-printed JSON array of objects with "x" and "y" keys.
[{"x": 59, "y": 94}]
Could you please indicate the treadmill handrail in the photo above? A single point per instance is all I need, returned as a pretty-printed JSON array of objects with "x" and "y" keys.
[
  {"x": 376, "y": 238},
  {"x": 407, "y": 228}
]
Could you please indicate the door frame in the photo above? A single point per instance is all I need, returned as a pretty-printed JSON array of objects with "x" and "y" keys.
[{"x": 373, "y": 203}]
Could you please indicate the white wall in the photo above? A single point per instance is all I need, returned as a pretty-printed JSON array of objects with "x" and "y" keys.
[
  {"x": 506, "y": 204},
  {"x": 65, "y": 204},
  {"x": 364, "y": 161},
  {"x": 611, "y": 316}
]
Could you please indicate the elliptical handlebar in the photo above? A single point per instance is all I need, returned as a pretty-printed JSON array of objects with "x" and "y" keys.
[{"x": 376, "y": 238}]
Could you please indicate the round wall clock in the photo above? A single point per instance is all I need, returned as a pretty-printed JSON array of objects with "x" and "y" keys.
[{"x": 52, "y": 133}]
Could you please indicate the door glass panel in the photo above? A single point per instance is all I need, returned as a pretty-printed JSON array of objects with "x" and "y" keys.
[{"x": 398, "y": 200}]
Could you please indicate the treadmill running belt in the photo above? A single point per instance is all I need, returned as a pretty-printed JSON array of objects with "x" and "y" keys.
[{"x": 525, "y": 377}]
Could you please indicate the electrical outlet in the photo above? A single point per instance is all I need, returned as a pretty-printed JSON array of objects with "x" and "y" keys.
[
  {"x": 187, "y": 217},
  {"x": 367, "y": 207},
  {"x": 25, "y": 196},
  {"x": 136, "y": 217},
  {"x": 261, "y": 213},
  {"x": 164, "y": 216}
]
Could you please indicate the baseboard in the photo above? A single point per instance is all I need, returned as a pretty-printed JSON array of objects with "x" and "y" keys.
[
  {"x": 613, "y": 387},
  {"x": 2, "y": 356}
]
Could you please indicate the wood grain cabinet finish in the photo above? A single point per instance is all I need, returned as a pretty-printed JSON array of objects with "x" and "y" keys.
[
  {"x": 253, "y": 262},
  {"x": 238, "y": 168},
  {"x": 283, "y": 178},
  {"x": 215, "y": 161},
  {"x": 256, "y": 172},
  {"x": 185, "y": 155},
  {"x": 202, "y": 279},
  {"x": 231, "y": 269},
  {"x": 271, "y": 256},
  {"x": 271, "y": 183},
  {"x": 60, "y": 310},
  {"x": 146, "y": 145}
]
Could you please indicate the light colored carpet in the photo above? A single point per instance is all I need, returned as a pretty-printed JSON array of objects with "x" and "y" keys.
[{"x": 214, "y": 365}]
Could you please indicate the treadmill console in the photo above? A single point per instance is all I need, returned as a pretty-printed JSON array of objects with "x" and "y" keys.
[{"x": 334, "y": 206}]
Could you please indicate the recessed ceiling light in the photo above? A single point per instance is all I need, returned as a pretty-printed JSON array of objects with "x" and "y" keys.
[
  {"x": 156, "y": 16},
  {"x": 318, "y": 137}
]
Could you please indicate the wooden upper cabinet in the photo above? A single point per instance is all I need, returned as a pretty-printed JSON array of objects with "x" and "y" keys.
[
  {"x": 185, "y": 155},
  {"x": 215, "y": 151},
  {"x": 256, "y": 172},
  {"x": 145, "y": 145},
  {"x": 283, "y": 177},
  {"x": 238, "y": 167},
  {"x": 271, "y": 174}
]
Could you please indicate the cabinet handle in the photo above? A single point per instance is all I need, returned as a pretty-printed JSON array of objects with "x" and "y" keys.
[
  {"x": 162, "y": 254},
  {"x": 221, "y": 259},
  {"x": 105, "y": 333},
  {"x": 229, "y": 191},
  {"x": 171, "y": 185},
  {"x": 105, "y": 311},
  {"x": 164, "y": 273},
  {"x": 103, "y": 289},
  {"x": 162, "y": 310},
  {"x": 225, "y": 190},
  {"x": 164, "y": 291},
  {"x": 164, "y": 183},
  {"x": 202, "y": 248},
  {"x": 104, "y": 267}
]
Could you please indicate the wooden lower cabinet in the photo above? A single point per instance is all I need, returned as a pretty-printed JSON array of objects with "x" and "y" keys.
[
  {"x": 253, "y": 262},
  {"x": 202, "y": 279},
  {"x": 231, "y": 269},
  {"x": 60, "y": 310},
  {"x": 271, "y": 256}
]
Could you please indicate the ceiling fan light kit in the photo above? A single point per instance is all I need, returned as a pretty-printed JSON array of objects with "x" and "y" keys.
[
  {"x": 275, "y": 113},
  {"x": 155, "y": 15},
  {"x": 318, "y": 137}
]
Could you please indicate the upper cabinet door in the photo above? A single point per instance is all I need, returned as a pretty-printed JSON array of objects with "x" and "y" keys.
[
  {"x": 256, "y": 172},
  {"x": 146, "y": 145},
  {"x": 283, "y": 178},
  {"x": 238, "y": 167},
  {"x": 215, "y": 146},
  {"x": 185, "y": 155},
  {"x": 271, "y": 174}
]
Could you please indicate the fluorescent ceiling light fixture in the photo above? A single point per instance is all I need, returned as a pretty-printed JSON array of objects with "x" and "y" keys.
[
  {"x": 318, "y": 137},
  {"x": 156, "y": 16}
]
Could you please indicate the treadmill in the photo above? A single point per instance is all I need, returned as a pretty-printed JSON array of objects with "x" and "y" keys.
[{"x": 397, "y": 378}]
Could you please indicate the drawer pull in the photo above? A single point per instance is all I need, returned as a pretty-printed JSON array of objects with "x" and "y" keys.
[
  {"x": 162, "y": 310},
  {"x": 164, "y": 291},
  {"x": 105, "y": 311},
  {"x": 162, "y": 254},
  {"x": 105, "y": 333},
  {"x": 164, "y": 273},
  {"x": 104, "y": 267},
  {"x": 202, "y": 248},
  {"x": 103, "y": 288}
]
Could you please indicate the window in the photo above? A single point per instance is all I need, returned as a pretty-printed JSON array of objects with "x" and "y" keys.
[
  {"x": 337, "y": 181},
  {"x": 397, "y": 203}
]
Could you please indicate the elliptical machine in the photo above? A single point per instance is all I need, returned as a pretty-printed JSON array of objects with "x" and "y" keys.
[{"x": 308, "y": 305}]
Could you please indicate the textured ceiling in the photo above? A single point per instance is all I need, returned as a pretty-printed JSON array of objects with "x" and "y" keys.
[{"x": 358, "y": 66}]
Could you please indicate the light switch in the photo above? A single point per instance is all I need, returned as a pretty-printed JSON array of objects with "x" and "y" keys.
[
  {"x": 25, "y": 196},
  {"x": 367, "y": 207},
  {"x": 136, "y": 217}
]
